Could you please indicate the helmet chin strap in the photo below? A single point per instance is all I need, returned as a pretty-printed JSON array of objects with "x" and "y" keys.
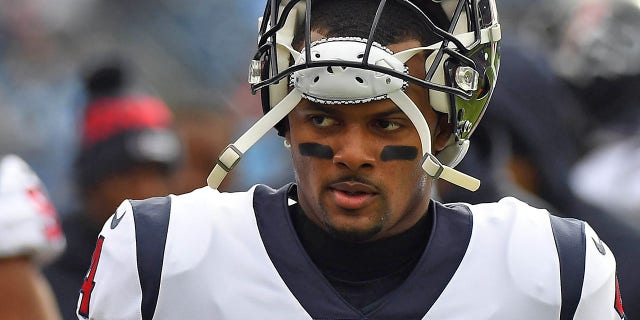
[{"x": 231, "y": 155}]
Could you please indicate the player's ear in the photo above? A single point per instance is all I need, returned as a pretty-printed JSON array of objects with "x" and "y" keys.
[{"x": 442, "y": 132}]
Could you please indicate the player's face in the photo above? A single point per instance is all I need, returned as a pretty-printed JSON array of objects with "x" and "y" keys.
[{"x": 358, "y": 166}]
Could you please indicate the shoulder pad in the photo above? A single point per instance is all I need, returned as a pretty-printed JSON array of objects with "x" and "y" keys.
[{"x": 29, "y": 223}]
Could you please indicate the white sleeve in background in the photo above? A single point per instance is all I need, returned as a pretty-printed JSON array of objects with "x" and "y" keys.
[{"x": 29, "y": 224}]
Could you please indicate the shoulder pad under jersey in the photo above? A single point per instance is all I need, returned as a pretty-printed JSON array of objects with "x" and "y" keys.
[{"x": 28, "y": 220}]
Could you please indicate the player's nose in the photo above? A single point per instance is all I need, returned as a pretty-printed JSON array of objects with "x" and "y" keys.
[{"x": 354, "y": 149}]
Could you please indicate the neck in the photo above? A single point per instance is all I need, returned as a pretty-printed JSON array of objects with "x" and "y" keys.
[{"x": 361, "y": 261}]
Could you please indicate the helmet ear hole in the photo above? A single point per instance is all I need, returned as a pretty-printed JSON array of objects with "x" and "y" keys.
[{"x": 484, "y": 87}]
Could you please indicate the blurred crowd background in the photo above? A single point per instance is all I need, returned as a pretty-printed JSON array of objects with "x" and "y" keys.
[
  {"x": 562, "y": 130},
  {"x": 192, "y": 54}
]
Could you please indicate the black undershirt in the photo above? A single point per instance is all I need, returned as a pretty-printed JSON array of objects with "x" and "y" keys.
[{"x": 363, "y": 273}]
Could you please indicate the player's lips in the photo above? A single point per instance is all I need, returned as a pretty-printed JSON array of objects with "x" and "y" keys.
[{"x": 352, "y": 195}]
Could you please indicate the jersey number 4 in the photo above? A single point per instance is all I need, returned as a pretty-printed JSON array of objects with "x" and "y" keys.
[{"x": 89, "y": 283}]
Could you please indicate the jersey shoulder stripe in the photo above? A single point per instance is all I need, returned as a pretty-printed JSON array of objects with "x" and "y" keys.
[
  {"x": 151, "y": 218},
  {"x": 569, "y": 235}
]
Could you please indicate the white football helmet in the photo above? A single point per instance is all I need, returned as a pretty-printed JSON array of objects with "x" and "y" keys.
[{"x": 461, "y": 70}]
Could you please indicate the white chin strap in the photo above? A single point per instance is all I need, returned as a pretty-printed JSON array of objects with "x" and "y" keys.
[
  {"x": 340, "y": 85},
  {"x": 231, "y": 155}
]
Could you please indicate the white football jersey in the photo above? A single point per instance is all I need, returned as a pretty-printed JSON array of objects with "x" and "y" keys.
[
  {"x": 29, "y": 223},
  {"x": 212, "y": 255}
]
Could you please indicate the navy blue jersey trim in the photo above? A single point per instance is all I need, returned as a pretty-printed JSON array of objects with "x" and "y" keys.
[
  {"x": 301, "y": 276},
  {"x": 449, "y": 240},
  {"x": 450, "y": 237},
  {"x": 569, "y": 235},
  {"x": 151, "y": 219}
]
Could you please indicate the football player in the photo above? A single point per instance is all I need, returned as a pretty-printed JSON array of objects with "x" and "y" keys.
[
  {"x": 375, "y": 100},
  {"x": 30, "y": 236}
]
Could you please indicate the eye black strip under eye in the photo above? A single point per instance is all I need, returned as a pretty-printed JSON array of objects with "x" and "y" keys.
[
  {"x": 390, "y": 153},
  {"x": 317, "y": 150}
]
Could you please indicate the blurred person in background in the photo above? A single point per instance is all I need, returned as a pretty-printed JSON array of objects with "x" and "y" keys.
[
  {"x": 30, "y": 237},
  {"x": 599, "y": 56},
  {"x": 204, "y": 133},
  {"x": 129, "y": 150},
  {"x": 39, "y": 90},
  {"x": 182, "y": 48}
]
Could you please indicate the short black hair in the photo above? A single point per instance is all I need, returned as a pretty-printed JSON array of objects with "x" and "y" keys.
[{"x": 354, "y": 18}]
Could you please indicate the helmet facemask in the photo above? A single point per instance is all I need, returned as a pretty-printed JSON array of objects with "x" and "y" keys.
[{"x": 461, "y": 69}]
